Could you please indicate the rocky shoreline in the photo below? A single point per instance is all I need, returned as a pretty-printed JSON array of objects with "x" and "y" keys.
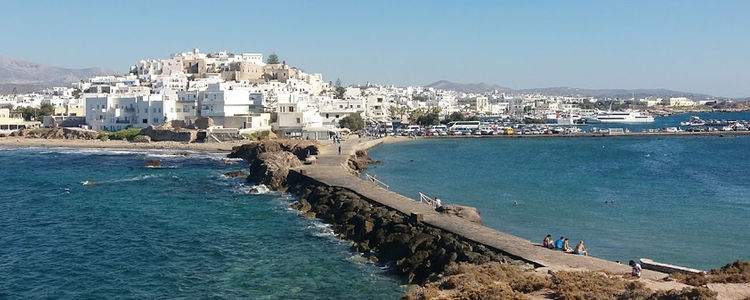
[{"x": 418, "y": 251}]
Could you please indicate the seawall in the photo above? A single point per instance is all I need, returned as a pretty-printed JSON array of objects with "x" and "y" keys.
[{"x": 390, "y": 227}]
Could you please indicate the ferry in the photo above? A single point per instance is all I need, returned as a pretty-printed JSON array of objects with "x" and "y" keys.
[{"x": 620, "y": 117}]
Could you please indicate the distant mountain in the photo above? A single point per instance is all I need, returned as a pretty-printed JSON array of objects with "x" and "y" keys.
[
  {"x": 613, "y": 93},
  {"x": 467, "y": 87},
  {"x": 565, "y": 91},
  {"x": 28, "y": 76}
]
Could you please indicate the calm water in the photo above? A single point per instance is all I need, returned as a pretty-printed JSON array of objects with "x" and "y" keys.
[
  {"x": 683, "y": 200},
  {"x": 178, "y": 232}
]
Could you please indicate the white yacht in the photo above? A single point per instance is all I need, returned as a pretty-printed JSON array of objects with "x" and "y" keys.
[{"x": 620, "y": 117}]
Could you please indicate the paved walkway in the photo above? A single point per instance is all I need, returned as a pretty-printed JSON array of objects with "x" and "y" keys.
[{"x": 331, "y": 169}]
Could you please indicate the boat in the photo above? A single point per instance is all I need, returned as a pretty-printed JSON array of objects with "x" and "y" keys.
[
  {"x": 694, "y": 121},
  {"x": 620, "y": 117}
]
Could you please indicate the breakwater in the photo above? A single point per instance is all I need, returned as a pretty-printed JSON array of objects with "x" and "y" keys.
[
  {"x": 419, "y": 251},
  {"x": 416, "y": 244}
]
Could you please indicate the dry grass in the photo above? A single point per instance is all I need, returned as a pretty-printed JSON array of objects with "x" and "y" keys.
[
  {"x": 502, "y": 281},
  {"x": 736, "y": 272}
]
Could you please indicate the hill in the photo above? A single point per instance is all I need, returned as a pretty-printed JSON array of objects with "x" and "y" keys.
[
  {"x": 564, "y": 91},
  {"x": 29, "y": 76},
  {"x": 467, "y": 87}
]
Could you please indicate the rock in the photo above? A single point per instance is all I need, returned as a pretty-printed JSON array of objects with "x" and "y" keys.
[
  {"x": 166, "y": 133},
  {"x": 153, "y": 164},
  {"x": 251, "y": 151},
  {"x": 141, "y": 139},
  {"x": 235, "y": 174},
  {"x": 309, "y": 215},
  {"x": 360, "y": 160},
  {"x": 301, "y": 205},
  {"x": 466, "y": 212},
  {"x": 272, "y": 168},
  {"x": 373, "y": 259}
]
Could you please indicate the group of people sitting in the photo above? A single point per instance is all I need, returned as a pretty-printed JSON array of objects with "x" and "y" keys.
[{"x": 562, "y": 244}]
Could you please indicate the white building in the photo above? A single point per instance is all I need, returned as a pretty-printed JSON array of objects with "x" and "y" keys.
[
  {"x": 114, "y": 112},
  {"x": 680, "y": 101}
]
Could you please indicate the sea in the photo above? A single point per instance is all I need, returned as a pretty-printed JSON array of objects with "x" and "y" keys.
[
  {"x": 180, "y": 231},
  {"x": 683, "y": 200}
]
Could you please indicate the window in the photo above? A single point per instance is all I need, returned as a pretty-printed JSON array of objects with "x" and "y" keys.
[
  {"x": 298, "y": 121},
  {"x": 337, "y": 116},
  {"x": 326, "y": 116},
  {"x": 291, "y": 109},
  {"x": 145, "y": 121}
]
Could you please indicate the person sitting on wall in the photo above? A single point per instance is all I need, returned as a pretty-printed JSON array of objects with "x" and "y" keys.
[
  {"x": 566, "y": 247},
  {"x": 548, "y": 243},
  {"x": 559, "y": 243},
  {"x": 581, "y": 249}
]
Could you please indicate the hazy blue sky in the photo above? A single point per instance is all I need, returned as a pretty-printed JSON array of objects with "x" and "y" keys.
[{"x": 698, "y": 46}]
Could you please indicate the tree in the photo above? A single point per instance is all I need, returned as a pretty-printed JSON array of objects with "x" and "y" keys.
[
  {"x": 77, "y": 93},
  {"x": 398, "y": 111},
  {"x": 338, "y": 82},
  {"x": 272, "y": 59},
  {"x": 416, "y": 114},
  {"x": 340, "y": 92},
  {"x": 46, "y": 110},
  {"x": 354, "y": 122}
]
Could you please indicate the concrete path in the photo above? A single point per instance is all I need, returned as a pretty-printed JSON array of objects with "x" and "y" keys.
[{"x": 331, "y": 169}]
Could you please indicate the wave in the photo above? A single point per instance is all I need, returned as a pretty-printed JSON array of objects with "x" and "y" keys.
[
  {"x": 131, "y": 179},
  {"x": 252, "y": 190}
]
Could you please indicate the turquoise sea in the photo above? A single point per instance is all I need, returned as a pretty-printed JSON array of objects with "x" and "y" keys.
[
  {"x": 681, "y": 200},
  {"x": 183, "y": 231}
]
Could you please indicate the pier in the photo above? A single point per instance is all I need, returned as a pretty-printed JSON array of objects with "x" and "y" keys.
[{"x": 331, "y": 169}]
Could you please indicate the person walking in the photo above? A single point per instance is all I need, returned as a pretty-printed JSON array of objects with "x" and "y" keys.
[{"x": 339, "y": 149}]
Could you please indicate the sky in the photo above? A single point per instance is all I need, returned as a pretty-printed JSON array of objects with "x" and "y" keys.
[{"x": 694, "y": 46}]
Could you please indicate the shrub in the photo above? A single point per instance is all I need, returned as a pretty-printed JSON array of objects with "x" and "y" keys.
[
  {"x": 735, "y": 272},
  {"x": 698, "y": 293},
  {"x": 125, "y": 134},
  {"x": 103, "y": 137},
  {"x": 250, "y": 136}
]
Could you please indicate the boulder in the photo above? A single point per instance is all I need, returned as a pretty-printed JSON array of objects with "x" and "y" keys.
[
  {"x": 300, "y": 148},
  {"x": 235, "y": 174},
  {"x": 141, "y": 139},
  {"x": 272, "y": 168},
  {"x": 153, "y": 164},
  {"x": 301, "y": 205},
  {"x": 466, "y": 212}
]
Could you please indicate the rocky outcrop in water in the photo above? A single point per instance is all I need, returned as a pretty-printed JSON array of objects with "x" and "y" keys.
[
  {"x": 360, "y": 160},
  {"x": 235, "y": 174},
  {"x": 270, "y": 161},
  {"x": 300, "y": 149},
  {"x": 419, "y": 251}
]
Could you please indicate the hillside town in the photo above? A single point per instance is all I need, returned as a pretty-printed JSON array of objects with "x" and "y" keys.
[{"x": 235, "y": 94}]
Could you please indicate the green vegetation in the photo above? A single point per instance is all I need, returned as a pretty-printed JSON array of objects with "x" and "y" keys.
[
  {"x": 125, "y": 134},
  {"x": 35, "y": 114},
  {"x": 354, "y": 122},
  {"x": 272, "y": 59},
  {"x": 425, "y": 117},
  {"x": 398, "y": 111},
  {"x": 457, "y": 116},
  {"x": 250, "y": 136}
]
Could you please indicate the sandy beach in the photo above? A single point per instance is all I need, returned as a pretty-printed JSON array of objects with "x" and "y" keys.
[{"x": 33, "y": 142}]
